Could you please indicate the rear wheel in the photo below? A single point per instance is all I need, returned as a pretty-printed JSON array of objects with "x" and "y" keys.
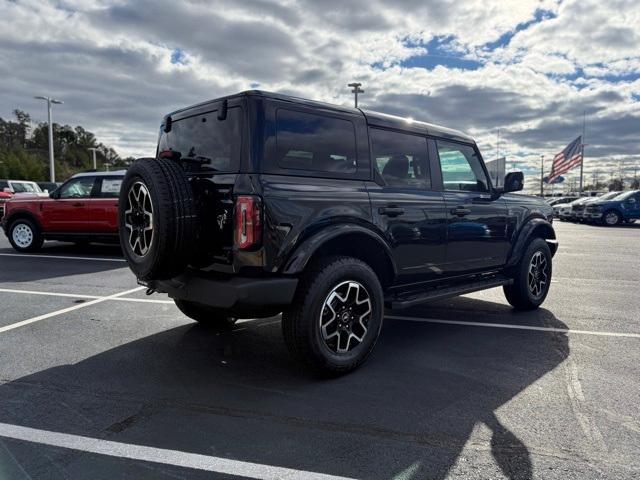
[
  {"x": 532, "y": 277},
  {"x": 336, "y": 315},
  {"x": 205, "y": 315},
  {"x": 25, "y": 235}
]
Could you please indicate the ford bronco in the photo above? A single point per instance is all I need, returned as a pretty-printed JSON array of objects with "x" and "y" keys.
[{"x": 259, "y": 203}]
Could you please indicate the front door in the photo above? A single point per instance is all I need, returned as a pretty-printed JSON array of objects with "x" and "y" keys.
[
  {"x": 67, "y": 213},
  {"x": 477, "y": 221},
  {"x": 407, "y": 211}
]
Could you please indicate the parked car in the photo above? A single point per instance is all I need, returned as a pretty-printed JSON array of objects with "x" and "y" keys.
[
  {"x": 48, "y": 187},
  {"x": 261, "y": 203},
  {"x": 19, "y": 186},
  {"x": 4, "y": 197},
  {"x": 581, "y": 214},
  {"x": 558, "y": 203},
  {"x": 625, "y": 207},
  {"x": 83, "y": 209}
]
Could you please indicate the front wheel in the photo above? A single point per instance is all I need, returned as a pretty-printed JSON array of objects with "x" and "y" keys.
[
  {"x": 205, "y": 315},
  {"x": 25, "y": 236},
  {"x": 532, "y": 277},
  {"x": 336, "y": 315},
  {"x": 611, "y": 218}
]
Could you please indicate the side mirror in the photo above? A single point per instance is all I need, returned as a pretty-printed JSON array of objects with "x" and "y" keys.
[
  {"x": 513, "y": 182},
  {"x": 54, "y": 194}
]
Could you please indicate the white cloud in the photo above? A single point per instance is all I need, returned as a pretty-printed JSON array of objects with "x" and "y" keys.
[{"x": 111, "y": 63}]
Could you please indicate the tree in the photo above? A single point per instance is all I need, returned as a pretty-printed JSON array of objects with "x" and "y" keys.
[
  {"x": 616, "y": 185},
  {"x": 24, "y": 152},
  {"x": 635, "y": 184}
]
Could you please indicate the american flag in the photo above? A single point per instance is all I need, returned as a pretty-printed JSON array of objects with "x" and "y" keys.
[{"x": 568, "y": 158}]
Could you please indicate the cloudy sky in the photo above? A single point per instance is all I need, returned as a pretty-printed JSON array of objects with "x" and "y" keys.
[{"x": 529, "y": 68}]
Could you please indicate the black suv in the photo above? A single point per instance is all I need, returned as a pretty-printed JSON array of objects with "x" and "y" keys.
[{"x": 259, "y": 203}]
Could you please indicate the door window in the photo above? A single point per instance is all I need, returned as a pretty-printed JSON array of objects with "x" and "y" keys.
[
  {"x": 400, "y": 158},
  {"x": 307, "y": 141},
  {"x": 109, "y": 187},
  {"x": 77, "y": 188},
  {"x": 461, "y": 167}
]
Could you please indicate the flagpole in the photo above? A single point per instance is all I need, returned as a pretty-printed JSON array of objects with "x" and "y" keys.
[{"x": 584, "y": 121}]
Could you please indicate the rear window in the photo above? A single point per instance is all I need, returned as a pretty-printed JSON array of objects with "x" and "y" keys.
[
  {"x": 109, "y": 187},
  {"x": 319, "y": 143},
  {"x": 25, "y": 187},
  {"x": 213, "y": 144}
]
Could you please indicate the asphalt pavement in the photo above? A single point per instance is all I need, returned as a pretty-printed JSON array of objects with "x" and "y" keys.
[{"x": 98, "y": 380}]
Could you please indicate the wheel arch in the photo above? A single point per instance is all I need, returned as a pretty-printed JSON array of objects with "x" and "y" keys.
[
  {"x": 21, "y": 214},
  {"x": 350, "y": 240},
  {"x": 533, "y": 228}
]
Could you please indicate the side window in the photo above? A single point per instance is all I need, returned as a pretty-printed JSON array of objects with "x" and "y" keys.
[
  {"x": 109, "y": 187},
  {"x": 400, "y": 158},
  {"x": 77, "y": 188},
  {"x": 314, "y": 142},
  {"x": 461, "y": 167}
]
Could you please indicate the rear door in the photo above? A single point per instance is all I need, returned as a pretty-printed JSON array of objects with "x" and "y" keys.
[
  {"x": 411, "y": 214},
  {"x": 68, "y": 213},
  {"x": 477, "y": 223},
  {"x": 103, "y": 205}
]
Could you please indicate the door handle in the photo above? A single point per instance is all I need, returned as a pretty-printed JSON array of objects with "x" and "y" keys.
[
  {"x": 78, "y": 204},
  {"x": 460, "y": 211},
  {"x": 391, "y": 211}
]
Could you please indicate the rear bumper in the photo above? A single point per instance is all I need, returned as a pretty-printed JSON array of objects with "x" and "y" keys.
[{"x": 241, "y": 293}]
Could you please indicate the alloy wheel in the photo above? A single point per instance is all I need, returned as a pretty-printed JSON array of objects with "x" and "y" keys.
[
  {"x": 22, "y": 235},
  {"x": 138, "y": 219},
  {"x": 345, "y": 316},
  {"x": 611, "y": 218},
  {"x": 538, "y": 276}
]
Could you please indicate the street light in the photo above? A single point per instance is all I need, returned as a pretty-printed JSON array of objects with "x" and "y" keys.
[
  {"x": 356, "y": 90},
  {"x": 93, "y": 150},
  {"x": 52, "y": 167}
]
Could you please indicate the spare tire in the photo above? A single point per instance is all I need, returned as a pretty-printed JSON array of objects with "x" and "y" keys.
[{"x": 157, "y": 219}]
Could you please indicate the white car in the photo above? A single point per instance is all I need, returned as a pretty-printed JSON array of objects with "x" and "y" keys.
[{"x": 19, "y": 186}]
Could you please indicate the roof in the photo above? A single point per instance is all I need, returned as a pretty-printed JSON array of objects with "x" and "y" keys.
[
  {"x": 372, "y": 117},
  {"x": 112, "y": 173}
]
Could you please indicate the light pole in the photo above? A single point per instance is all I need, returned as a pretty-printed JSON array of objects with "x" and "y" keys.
[
  {"x": 542, "y": 176},
  {"x": 356, "y": 90},
  {"x": 93, "y": 150},
  {"x": 52, "y": 167}
]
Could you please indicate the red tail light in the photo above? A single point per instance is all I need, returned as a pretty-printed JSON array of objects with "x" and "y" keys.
[{"x": 248, "y": 222}]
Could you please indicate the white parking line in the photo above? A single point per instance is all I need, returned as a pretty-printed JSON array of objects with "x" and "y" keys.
[
  {"x": 158, "y": 455},
  {"x": 119, "y": 298},
  {"x": 514, "y": 327},
  {"x": 63, "y": 257},
  {"x": 66, "y": 310},
  {"x": 78, "y": 295}
]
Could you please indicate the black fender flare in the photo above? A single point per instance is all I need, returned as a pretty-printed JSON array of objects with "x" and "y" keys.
[
  {"x": 532, "y": 227},
  {"x": 300, "y": 256}
]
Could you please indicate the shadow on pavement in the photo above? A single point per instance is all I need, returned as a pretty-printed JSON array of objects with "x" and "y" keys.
[
  {"x": 238, "y": 395},
  {"x": 28, "y": 268}
]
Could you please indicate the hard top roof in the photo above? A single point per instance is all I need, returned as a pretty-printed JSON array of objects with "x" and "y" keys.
[
  {"x": 372, "y": 117},
  {"x": 112, "y": 173}
]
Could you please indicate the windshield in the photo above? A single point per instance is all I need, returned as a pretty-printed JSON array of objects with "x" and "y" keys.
[
  {"x": 608, "y": 196},
  {"x": 213, "y": 144},
  {"x": 625, "y": 195},
  {"x": 25, "y": 187}
]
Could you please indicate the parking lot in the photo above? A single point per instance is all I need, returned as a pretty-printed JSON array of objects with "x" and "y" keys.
[{"x": 99, "y": 380}]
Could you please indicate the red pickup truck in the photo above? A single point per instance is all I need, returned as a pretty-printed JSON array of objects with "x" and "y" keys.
[{"x": 83, "y": 209}]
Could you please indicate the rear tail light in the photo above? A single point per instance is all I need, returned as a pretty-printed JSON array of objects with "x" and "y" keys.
[{"x": 248, "y": 222}]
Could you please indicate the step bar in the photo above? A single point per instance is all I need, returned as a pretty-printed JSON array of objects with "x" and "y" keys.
[{"x": 410, "y": 300}]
